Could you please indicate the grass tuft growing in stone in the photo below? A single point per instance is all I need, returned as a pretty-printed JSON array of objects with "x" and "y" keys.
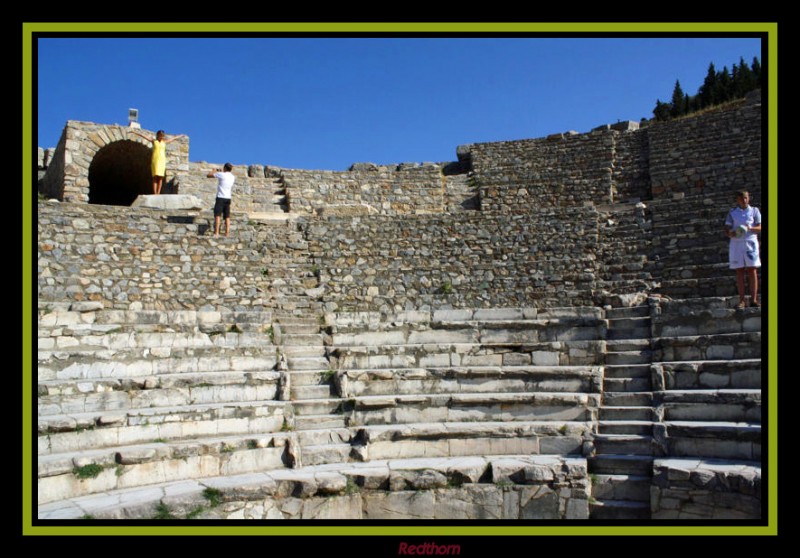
[
  {"x": 195, "y": 512},
  {"x": 90, "y": 471},
  {"x": 213, "y": 496},
  {"x": 351, "y": 487},
  {"x": 163, "y": 512}
]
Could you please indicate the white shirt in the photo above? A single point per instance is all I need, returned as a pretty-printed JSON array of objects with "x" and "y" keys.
[
  {"x": 749, "y": 216},
  {"x": 224, "y": 184}
]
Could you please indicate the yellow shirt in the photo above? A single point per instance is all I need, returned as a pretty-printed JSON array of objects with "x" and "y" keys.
[{"x": 159, "y": 162}]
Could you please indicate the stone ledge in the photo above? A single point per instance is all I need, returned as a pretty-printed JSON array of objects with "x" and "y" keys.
[{"x": 515, "y": 486}]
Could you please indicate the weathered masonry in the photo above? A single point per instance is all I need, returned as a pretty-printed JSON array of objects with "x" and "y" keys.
[{"x": 542, "y": 329}]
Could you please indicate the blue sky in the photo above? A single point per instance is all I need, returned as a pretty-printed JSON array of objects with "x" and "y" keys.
[{"x": 327, "y": 103}]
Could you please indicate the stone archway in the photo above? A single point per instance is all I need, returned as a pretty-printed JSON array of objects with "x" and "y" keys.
[{"x": 119, "y": 172}]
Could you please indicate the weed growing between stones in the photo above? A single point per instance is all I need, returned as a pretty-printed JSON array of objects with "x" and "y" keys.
[
  {"x": 213, "y": 496},
  {"x": 195, "y": 512},
  {"x": 351, "y": 487},
  {"x": 90, "y": 471},
  {"x": 163, "y": 512}
]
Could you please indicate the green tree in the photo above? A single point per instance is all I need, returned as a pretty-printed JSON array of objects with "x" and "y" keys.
[
  {"x": 662, "y": 110},
  {"x": 724, "y": 85},
  {"x": 677, "y": 101},
  {"x": 708, "y": 90},
  {"x": 756, "y": 67}
]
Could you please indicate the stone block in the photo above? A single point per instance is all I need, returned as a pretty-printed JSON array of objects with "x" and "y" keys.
[{"x": 399, "y": 505}]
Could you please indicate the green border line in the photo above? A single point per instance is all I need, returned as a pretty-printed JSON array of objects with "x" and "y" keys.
[{"x": 28, "y": 29}]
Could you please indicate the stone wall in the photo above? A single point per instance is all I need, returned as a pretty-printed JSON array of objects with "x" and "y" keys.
[
  {"x": 697, "y": 489},
  {"x": 543, "y": 258},
  {"x": 386, "y": 190},
  {"x": 718, "y": 151},
  {"x": 631, "y": 170},
  {"x": 252, "y": 192},
  {"x": 559, "y": 170},
  {"x": 160, "y": 259}
]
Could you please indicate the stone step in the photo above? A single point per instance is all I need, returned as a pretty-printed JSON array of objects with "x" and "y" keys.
[
  {"x": 308, "y": 363},
  {"x": 156, "y": 343},
  {"x": 442, "y": 439},
  {"x": 262, "y": 360},
  {"x": 314, "y": 422},
  {"x": 629, "y": 323},
  {"x": 325, "y": 454},
  {"x": 303, "y": 351},
  {"x": 310, "y": 377},
  {"x": 629, "y": 444},
  {"x": 641, "y": 465},
  {"x": 627, "y": 345},
  {"x": 432, "y": 380},
  {"x": 313, "y": 486},
  {"x": 627, "y": 414},
  {"x": 85, "y": 432},
  {"x": 302, "y": 339},
  {"x": 627, "y": 384},
  {"x": 627, "y": 399},
  {"x": 103, "y": 419},
  {"x": 299, "y": 393},
  {"x": 629, "y": 312},
  {"x": 121, "y": 401},
  {"x": 638, "y": 333},
  {"x": 712, "y": 374},
  {"x": 323, "y": 436},
  {"x": 619, "y": 510},
  {"x": 711, "y": 405},
  {"x": 636, "y": 427},
  {"x": 318, "y": 406},
  {"x": 574, "y": 353},
  {"x": 70, "y": 475},
  {"x": 712, "y": 287},
  {"x": 626, "y": 371},
  {"x": 721, "y": 440},
  {"x": 189, "y": 381},
  {"x": 629, "y": 357},
  {"x": 299, "y": 328},
  {"x": 503, "y": 332},
  {"x": 724, "y": 346},
  {"x": 632, "y": 488},
  {"x": 479, "y": 407}
]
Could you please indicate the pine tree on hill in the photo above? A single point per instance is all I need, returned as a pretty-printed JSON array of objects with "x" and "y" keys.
[
  {"x": 661, "y": 112},
  {"x": 677, "y": 100},
  {"x": 724, "y": 85},
  {"x": 756, "y": 67},
  {"x": 708, "y": 90}
]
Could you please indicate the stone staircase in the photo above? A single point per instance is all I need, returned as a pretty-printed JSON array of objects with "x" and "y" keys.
[
  {"x": 707, "y": 367},
  {"x": 624, "y": 449},
  {"x": 625, "y": 234},
  {"x": 134, "y": 398},
  {"x": 318, "y": 418},
  {"x": 453, "y": 383}
]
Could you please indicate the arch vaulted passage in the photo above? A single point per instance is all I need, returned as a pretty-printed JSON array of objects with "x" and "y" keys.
[{"x": 120, "y": 172}]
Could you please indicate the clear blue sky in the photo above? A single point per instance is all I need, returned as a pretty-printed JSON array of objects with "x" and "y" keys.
[{"x": 327, "y": 103}]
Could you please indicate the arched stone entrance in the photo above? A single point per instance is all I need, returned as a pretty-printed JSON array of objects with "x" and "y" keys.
[{"x": 119, "y": 172}]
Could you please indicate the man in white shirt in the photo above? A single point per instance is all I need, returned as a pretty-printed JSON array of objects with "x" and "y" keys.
[{"x": 222, "y": 206}]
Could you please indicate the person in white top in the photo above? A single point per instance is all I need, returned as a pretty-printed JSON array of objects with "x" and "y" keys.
[
  {"x": 222, "y": 206},
  {"x": 741, "y": 226}
]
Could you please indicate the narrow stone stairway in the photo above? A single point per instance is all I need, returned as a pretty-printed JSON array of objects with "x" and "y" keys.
[{"x": 621, "y": 469}]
